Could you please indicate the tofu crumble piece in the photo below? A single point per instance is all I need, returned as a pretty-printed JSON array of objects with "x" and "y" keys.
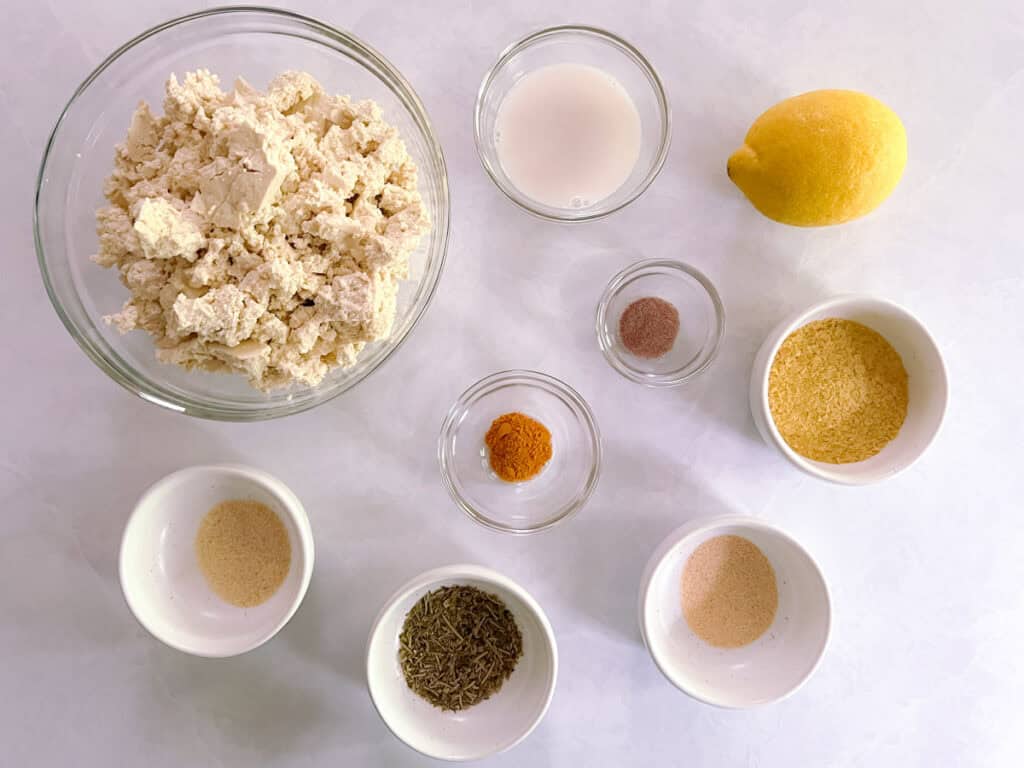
[{"x": 263, "y": 233}]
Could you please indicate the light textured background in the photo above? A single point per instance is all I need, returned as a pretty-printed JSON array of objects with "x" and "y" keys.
[{"x": 925, "y": 667}]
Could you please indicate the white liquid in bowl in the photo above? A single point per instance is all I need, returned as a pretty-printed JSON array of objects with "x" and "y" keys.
[{"x": 568, "y": 135}]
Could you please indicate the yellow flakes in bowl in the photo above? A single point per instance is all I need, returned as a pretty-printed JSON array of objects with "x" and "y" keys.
[{"x": 837, "y": 391}]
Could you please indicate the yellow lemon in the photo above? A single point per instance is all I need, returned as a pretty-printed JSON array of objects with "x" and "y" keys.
[{"x": 821, "y": 158}]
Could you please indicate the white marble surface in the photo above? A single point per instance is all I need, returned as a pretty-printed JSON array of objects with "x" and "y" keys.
[{"x": 925, "y": 667}]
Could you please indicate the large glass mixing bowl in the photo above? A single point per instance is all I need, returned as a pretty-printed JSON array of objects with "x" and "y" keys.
[{"x": 257, "y": 44}]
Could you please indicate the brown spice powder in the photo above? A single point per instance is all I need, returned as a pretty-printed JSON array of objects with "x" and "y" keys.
[
  {"x": 729, "y": 592},
  {"x": 648, "y": 327},
  {"x": 837, "y": 391},
  {"x": 243, "y": 552}
]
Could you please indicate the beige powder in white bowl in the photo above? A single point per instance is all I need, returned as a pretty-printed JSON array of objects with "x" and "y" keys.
[
  {"x": 783, "y": 655},
  {"x": 163, "y": 581}
]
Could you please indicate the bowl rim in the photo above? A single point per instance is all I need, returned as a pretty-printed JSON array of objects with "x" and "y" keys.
[
  {"x": 533, "y": 379},
  {"x": 288, "y": 501},
  {"x": 154, "y": 392},
  {"x": 445, "y": 574},
  {"x": 800, "y": 319},
  {"x": 548, "y": 213},
  {"x": 672, "y": 378},
  {"x": 698, "y": 527}
]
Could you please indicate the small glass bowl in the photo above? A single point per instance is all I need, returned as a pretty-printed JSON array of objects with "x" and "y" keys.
[
  {"x": 563, "y": 485},
  {"x": 599, "y": 49},
  {"x": 701, "y": 321}
]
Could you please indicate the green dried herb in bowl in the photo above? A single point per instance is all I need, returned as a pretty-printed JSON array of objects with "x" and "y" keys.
[{"x": 458, "y": 645}]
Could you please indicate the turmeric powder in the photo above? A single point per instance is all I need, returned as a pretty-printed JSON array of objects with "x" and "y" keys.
[{"x": 519, "y": 447}]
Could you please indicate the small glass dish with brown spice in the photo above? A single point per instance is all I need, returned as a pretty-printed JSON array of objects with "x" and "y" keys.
[
  {"x": 660, "y": 322},
  {"x": 520, "y": 451}
]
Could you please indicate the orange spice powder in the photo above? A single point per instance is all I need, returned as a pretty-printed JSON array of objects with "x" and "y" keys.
[{"x": 519, "y": 447}]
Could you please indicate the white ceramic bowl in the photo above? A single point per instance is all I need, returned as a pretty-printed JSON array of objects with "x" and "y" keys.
[
  {"x": 927, "y": 382},
  {"x": 160, "y": 575},
  {"x": 495, "y": 724},
  {"x": 773, "y": 666}
]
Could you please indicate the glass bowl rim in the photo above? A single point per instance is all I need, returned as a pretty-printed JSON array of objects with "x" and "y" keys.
[
  {"x": 664, "y": 108},
  {"x": 151, "y": 391},
  {"x": 671, "y": 378},
  {"x": 535, "y": 379}
]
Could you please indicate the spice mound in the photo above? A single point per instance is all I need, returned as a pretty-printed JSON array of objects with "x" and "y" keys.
[
  {"x": 260, "y": 232},
  {"x": 243, "y": 551},
  {"x": 648, "y": 327},
  {"x": 458, "y": 646},
  {"x": 837, "y": 391},
  {"x": 729, "y": 592},
  {"x": 519, "y": 447}
]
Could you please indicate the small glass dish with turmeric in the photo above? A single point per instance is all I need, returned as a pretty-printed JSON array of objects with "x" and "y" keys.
[{"x": 520, "y": 451}]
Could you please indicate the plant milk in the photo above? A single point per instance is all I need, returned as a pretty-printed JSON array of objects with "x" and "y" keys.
[{"x": 568, "y": 135}]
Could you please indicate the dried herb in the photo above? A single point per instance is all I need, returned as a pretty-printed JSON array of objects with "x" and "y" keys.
[{"x": 458, "y": 646}]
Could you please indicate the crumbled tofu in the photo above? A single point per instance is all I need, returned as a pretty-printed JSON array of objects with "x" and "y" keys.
[
  {"x": 348, "y": 299},
  {"x": 164, "y": 232},
  {"x": 249, "y": 174},
  {"x": 261, "y": 233},
  {"x": 225, "y": 315}
]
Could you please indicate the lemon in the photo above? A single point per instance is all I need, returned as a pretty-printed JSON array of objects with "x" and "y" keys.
[{"x": 821, "y": 158}]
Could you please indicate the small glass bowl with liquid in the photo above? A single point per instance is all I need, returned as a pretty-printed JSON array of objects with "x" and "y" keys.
[
  {"x": 559, "y": 490},
  {"x": 584, "y": 49},
  {"x": 701, "y": 321}
]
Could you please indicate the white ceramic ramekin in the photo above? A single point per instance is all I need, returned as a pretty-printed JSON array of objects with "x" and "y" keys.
[
  {"x": 160, "y": 574},
  {"x": 768, "y": 669},
  {"x": 495, "y": 724}
]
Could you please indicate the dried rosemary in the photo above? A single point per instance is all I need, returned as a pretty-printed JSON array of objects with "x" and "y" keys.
[{"x": 457, "y": 646}]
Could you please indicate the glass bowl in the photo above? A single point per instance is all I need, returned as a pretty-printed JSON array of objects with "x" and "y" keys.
[
  {"x": 563, "y": 485},
  {"x": 599, "y": 49},
  {"x": 257, "y": 44},
  {"x": 701, "y": 321}
]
